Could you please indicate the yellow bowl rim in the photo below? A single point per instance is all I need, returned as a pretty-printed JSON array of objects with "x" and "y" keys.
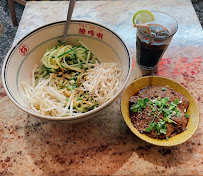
[{"x": 150, "y": 140}]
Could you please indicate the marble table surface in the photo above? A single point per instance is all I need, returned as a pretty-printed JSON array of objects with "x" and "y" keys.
[{"x": 104, "y": 145}]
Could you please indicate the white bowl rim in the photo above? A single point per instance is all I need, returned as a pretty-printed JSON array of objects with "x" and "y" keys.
[{"x": 67, "y": 118}]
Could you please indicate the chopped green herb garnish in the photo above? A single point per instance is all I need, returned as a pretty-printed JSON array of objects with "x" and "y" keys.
[
  {"x": 141, "y": 104},
  {"x": 164, "y": 101},
  {"x": 167, "y": 98},
  {"x": 153, "y": 101},
  {"x": 159, "y": 106},
  {"x": 139, "y": 109},
  {"x": 173, "y": 113},
  {"x": 169, "y": 120},
  {"x": 147, "y": 129},
  {"x": 70, "y": 88},
  {"x": 154, "y": 109},
  {"x": 75, "y": 86},
  {"x": 152, "y": 125},
  {"x": 160, "y": 127},
  {"x": 135, "y": 107},
  {"x": 67, "y": 99},
  {"x": 178, "y": 114},
  {"x": 79, "y": 98},
  {"x": 187, "y": 115},
  {"x": 154, "y": 114},
  {"x": 176, "y": 102},
  {"x": 163, "y": 89}
]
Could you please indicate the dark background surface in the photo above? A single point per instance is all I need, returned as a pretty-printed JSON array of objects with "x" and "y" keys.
[{"x": 10, "y": 31}]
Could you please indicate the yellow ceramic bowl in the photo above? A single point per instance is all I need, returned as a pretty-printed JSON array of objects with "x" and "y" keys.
[{"x": 193, "y": 111}]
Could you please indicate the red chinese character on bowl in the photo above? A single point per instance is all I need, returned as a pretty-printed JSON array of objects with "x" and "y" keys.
[
  {"x": 100, "y": 35},
  {"x": 91, "y": 33},
  {"x": 82, "y": 31},
  {"x": 23, "y": 49}
]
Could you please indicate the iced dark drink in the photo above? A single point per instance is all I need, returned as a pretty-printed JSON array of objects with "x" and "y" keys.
[
  {"x": 149, "y": 52},
  {"x": 150, "y": 48}
]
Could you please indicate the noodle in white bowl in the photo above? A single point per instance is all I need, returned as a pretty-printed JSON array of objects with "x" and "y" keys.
[{"x": 71, "y": 81}]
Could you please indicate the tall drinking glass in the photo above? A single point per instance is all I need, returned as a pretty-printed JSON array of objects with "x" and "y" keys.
[{"x": 150, "y": 48}]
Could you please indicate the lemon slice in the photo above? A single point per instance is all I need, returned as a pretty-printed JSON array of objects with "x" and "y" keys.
[{"x": 144, "y": 16}]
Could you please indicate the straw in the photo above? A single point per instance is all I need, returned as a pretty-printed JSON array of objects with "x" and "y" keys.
[{"x": 144, "y": 26}]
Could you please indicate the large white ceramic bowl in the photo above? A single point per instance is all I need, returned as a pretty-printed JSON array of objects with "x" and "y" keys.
[{"x": 102, "y": 41}]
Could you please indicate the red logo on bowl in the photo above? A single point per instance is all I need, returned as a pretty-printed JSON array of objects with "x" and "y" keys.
[
  {"x": 23, "y": 49},
  {"x": 100, "y": 35},
  {"x": 82, "y": 31}
]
